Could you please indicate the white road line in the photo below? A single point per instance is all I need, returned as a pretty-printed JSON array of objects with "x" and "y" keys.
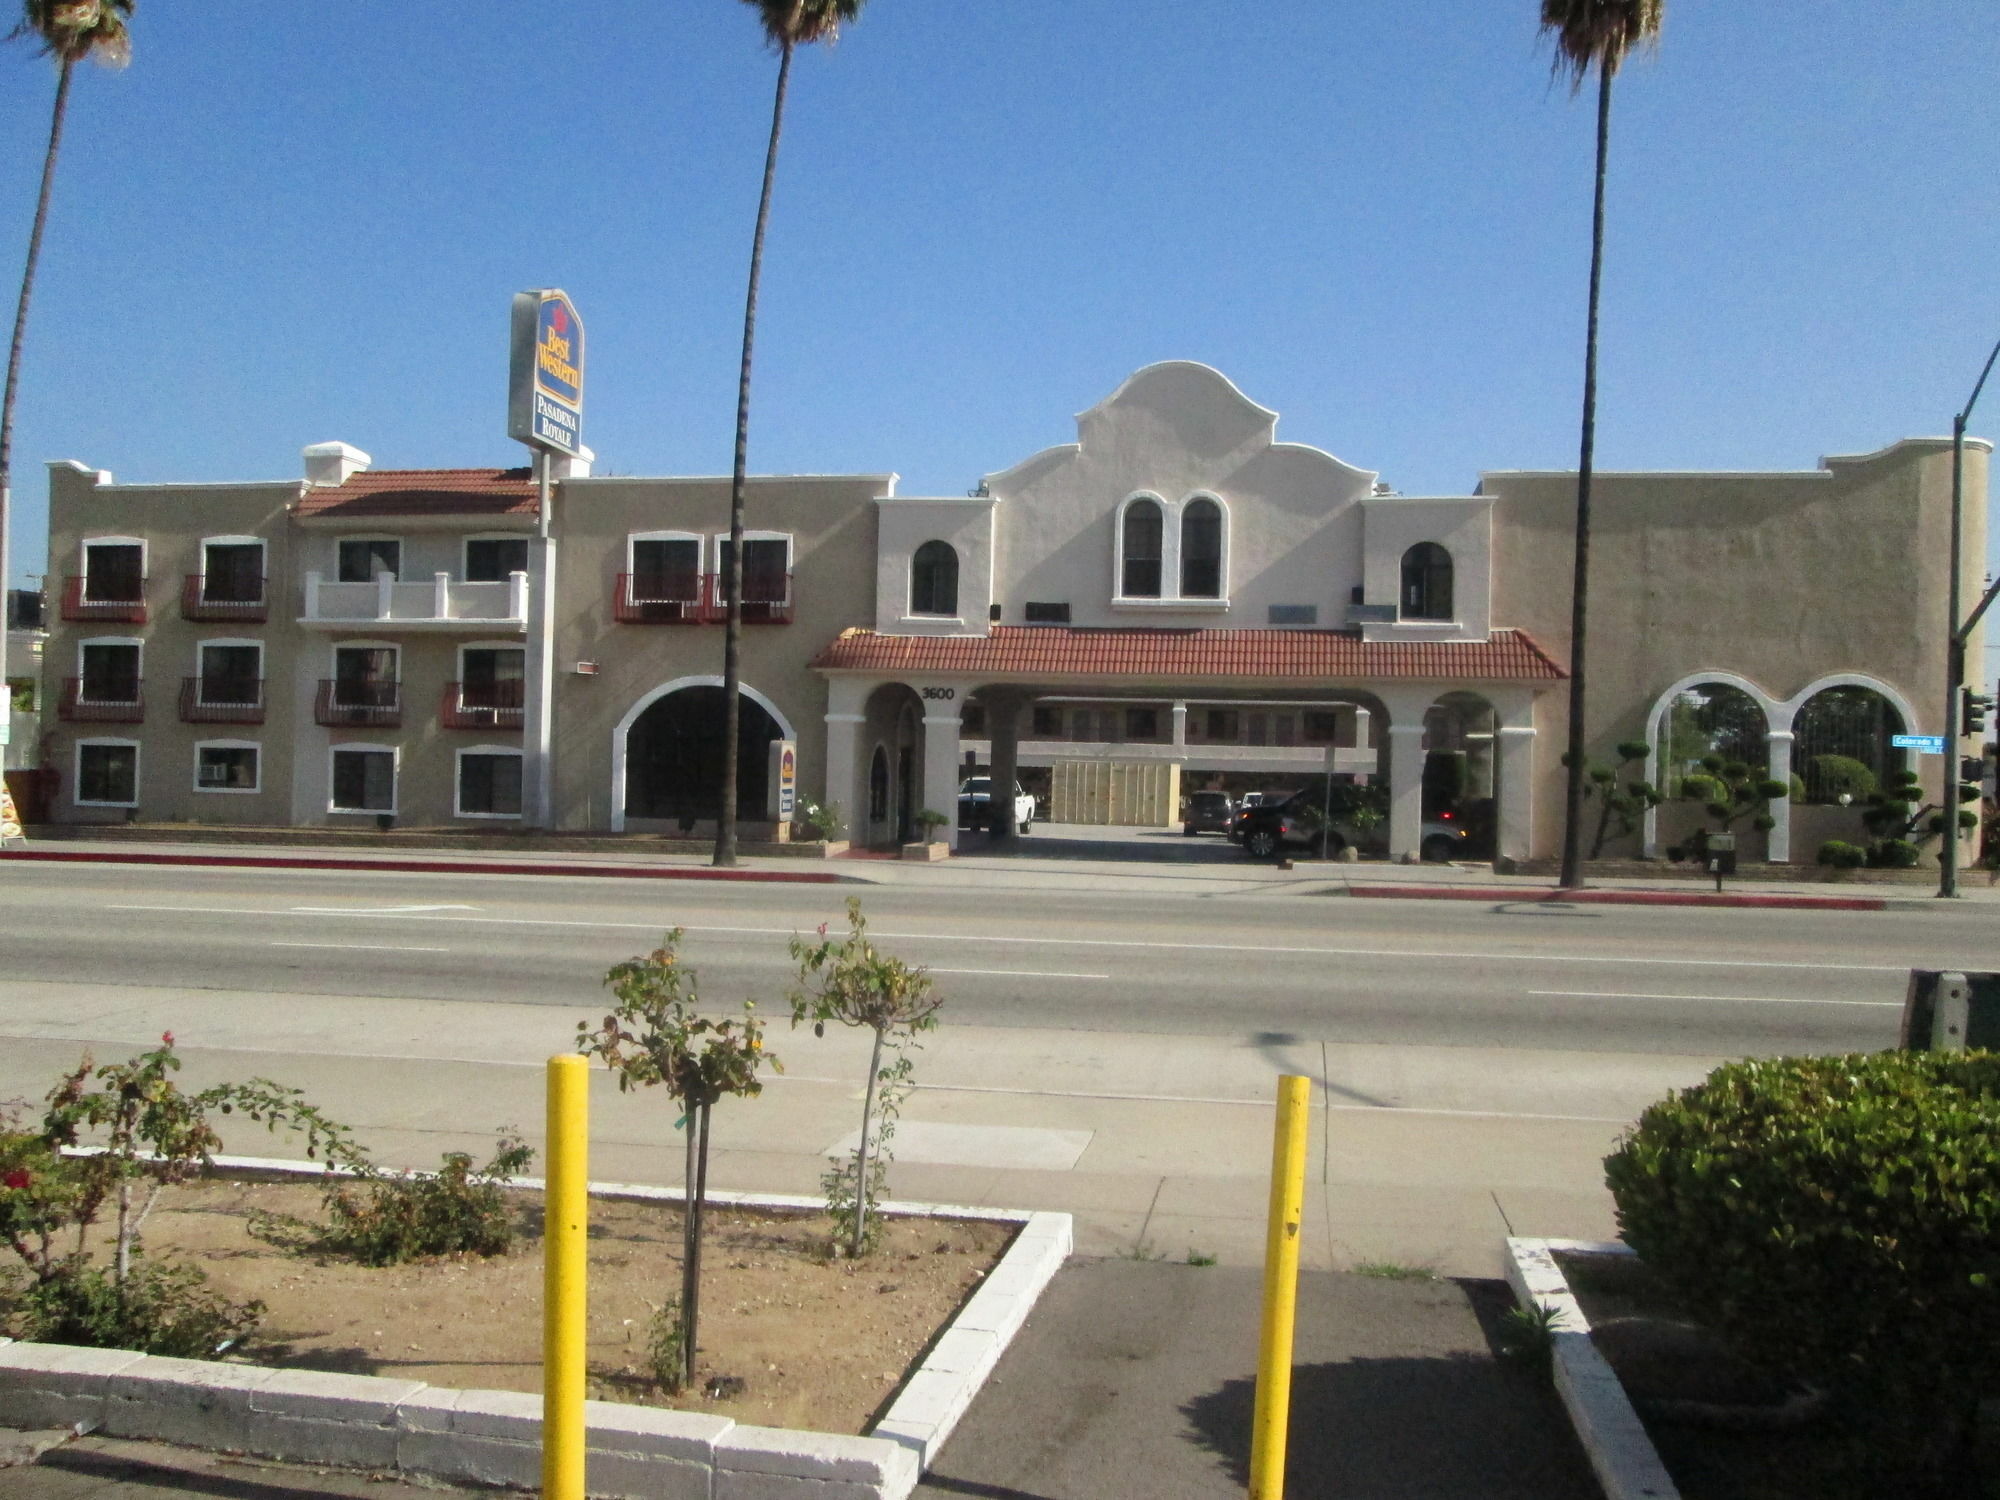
[
  {"x": 1109, "y": 1096},
  {"x": 1721, "y": 999},
  {"x": 1016, "y": 973},
  {"x": 362, "y": 947},
  {"x": 1261, "y": 949}
]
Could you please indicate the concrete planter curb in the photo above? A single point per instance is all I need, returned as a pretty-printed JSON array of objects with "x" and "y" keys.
[
  {"x": 494, "y": 1437},
  {"x": 1597, "y": 896},
  {"x": 1620, "y": 1452}
]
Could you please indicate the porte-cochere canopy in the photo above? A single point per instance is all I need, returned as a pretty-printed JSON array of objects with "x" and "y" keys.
[{"x": 1058, "y": 651}]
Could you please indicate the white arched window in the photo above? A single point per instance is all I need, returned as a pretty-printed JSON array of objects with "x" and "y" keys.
[
  {"x": 1201, "y": 549},
  {"x": 1142, "y": 533},
  {"x": 934, "y": 579}
]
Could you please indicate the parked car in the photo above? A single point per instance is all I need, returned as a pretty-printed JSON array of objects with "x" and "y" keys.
[
  {"x": 1266, "y": 831},
  {"x": 975, "y": 804},
  {"x": 1207, "y": 812}
]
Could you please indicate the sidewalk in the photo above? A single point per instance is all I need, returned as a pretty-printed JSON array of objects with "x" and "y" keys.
[
  {"x": 1056, "y": 857},
  {"x": 1129, "y": 1379}
]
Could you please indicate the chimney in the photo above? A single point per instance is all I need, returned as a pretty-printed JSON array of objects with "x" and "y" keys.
[
  {"x": 562, "y": 466},
  {"x": 332, "y": 463}
]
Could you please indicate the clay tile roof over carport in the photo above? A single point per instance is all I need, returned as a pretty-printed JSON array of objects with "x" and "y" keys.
[
  {"x": 424, "y": 492},
  {"x": 1067, "y": 651}
]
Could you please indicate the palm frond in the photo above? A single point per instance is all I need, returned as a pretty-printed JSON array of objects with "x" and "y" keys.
[
  {"x": 797, "y": 23},
  {"x": 72, "y": 30},
  {"x": 1598, "y": 33}
]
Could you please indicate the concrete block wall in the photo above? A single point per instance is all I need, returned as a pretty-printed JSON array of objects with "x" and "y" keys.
[{"x": 494, "y": 1437}]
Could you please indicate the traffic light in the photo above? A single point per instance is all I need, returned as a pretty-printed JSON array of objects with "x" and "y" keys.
[{"x": 1973, "y": 709}]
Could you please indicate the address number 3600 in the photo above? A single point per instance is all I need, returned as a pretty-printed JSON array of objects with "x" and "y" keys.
[{"x": 943, "y": 695}]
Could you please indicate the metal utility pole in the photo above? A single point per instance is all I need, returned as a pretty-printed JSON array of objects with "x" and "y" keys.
[{"x": 1956, "y": 637}]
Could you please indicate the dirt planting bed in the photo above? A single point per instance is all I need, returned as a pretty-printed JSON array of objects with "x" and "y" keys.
[{"x": 815, "y": 1342}]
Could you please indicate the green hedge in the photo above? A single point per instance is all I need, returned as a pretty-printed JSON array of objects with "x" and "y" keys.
[{"x": 1835, "y": 1217}]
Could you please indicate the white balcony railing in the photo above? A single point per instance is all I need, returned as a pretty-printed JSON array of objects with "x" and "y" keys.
[{"x": 440, "y": 604}]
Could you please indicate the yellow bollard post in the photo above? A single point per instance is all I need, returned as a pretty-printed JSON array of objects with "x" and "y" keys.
[
  {"x": 566, "y": 1208},
  {"x": 1270, "y": 1422}
]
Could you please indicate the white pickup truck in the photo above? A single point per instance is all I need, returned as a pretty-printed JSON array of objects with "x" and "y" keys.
[{"x": 975, "y": 804}]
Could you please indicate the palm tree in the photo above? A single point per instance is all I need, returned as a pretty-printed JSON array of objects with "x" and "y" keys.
[
  {"x": 788, "y": 25},
  {"x": 69, "y": 31},
  {"x": 1599, "y": 34}
]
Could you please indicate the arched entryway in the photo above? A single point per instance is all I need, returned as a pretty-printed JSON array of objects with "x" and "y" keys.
[
  {"x": 667, "y": 758},
  {"x": 1461, "y": 782}
]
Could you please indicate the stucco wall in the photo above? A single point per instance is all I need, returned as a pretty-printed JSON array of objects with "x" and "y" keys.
[{"x": 833, "y": 525}]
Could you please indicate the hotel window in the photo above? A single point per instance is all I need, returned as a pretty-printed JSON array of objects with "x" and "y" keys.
[
  {"x": 489, "y": 784},
  {"x": 493, "y": 559},
  {"x": 114, "y": 572},
  {"x": 1144, "y": 534},
  {"x": 1201, "y": 550},
  {"x": 225, "y": 768},
  {"x": 1426, "y": 583},
  {"x": 934, "y": 580},
  {"x": 362, "y": 557},
  {"x": 107, "y": 773},
  {"x": 364, "y": 780}
]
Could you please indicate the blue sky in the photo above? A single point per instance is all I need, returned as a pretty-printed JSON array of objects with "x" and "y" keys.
[{"x": 285, "y": 224}]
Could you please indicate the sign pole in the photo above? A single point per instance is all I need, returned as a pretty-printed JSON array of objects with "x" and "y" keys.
[{"x": 542, "y": 653}]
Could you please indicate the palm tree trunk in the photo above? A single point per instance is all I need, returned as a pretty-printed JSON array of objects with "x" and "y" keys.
[
  {"x": 732, "y": 581},
  {"x": 56, "y": 118},
  {"x": 1572, "y": 862}
]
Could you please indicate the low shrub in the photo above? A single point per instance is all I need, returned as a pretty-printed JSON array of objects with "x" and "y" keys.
[
  {"x": 162, "y": 1307},
  {"x": 1892, "y": 854},
  {"x": 388, "y": 1218},
  {"x": 1841, "y": 855},
  {"x": 1837, "y": 1218}
]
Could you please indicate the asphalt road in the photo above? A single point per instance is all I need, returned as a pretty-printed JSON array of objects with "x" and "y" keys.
[
  {"x": 1386, "y": 972},
  {"x": 1103, "y": 1052}
]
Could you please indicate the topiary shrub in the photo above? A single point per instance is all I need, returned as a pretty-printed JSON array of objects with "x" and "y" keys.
[
  {"x": 1838, "y": 1218},
  {"x": 1892, "y": 854},
  {"x": 1837, "y": 775},
  {"x": 1842, "y": 855}
]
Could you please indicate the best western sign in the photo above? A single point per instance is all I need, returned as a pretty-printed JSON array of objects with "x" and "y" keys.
[{"x": 545, "y": 373}]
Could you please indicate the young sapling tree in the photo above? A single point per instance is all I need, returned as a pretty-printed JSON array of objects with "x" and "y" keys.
[
  {"x": 657, "y": 1036},
  {"x": 849, "y": 981}
]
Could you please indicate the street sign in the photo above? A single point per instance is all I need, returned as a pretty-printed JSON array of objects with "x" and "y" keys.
[
  {"x": 545, "y": 373},
  {"x": 1923, "y": 744}
]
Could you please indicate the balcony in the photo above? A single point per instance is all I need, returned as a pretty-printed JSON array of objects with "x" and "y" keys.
[
  {"x": 78, "y": 603},
  {"x": 440, "y": 604},
  {"x": 222, "y": 700},
  {"x": 88, "y": 700},
  {"x": 698, "y": 600},
  {"x": 482, "y": 705},
  {"x": 197, "y": 603},
  {"x": 358, "y": 703}
]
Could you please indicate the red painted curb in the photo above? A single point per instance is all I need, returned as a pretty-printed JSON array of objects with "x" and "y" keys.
[
  {"x": 422, "y": 866},
  {"x": 1621, "y": 898}
]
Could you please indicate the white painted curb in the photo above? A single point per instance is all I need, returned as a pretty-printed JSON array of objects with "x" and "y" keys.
[
  {"x": 1623, "y": 1456},
  {"x": 494, "y": 1437}
]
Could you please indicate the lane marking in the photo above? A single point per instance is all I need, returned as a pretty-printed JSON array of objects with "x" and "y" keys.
[
  {"x": 1015, "y": 973},
  {"x": 1721, "y": 999},
  {"x": 1261, "y": 949},
  {"x": 847, "y": 1084},
  {"x": 380, "y": 911},
  {"x": 362, "y": 947}
]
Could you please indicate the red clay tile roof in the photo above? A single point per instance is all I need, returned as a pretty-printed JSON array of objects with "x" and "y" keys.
[
  {"x": 1067, "y": 651},
  {"x": 424, "y": 492}
]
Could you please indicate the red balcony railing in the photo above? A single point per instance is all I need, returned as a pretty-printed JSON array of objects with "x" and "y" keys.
[
  {"x": 688, "y": 599},
  {"x": 89, "y": 701},
  {"x": 359, "y": 703},
  {"x": 80, "y": 604},
  {"x": 222, "y": 700},
  {"x": 198, "y": 604},
  {"x": 482, "y": 705},
  {"x": 649, "y": 599}
]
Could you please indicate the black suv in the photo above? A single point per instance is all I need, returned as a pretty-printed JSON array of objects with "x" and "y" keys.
[{"x": 1296, "y": 822}]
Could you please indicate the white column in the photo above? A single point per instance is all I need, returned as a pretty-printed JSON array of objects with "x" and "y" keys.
[
  {"x": 1180, "y": 726},
  {"x": 940, "y": 784},
  {"x": 441, "y": 596},
  {"x": 844, "y": 720},
  {"x": 1515, "y": 790},
  {"x": 1778, "y": 842},
  {"x": 1406, "y": 788}
]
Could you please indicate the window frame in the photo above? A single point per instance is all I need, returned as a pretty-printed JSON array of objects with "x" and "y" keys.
[
  {"x": 1118, "y": 555},
  {"x": 512, "y": 752},
  {"x": 84, "y": 643},
  {"x": 201, "y": 677},
  {"x": 721, "y": 539},
  {"x": 263, "y": 566},
  {"x": 145, "y": 562},
  {"x": 526, "y": 539},
  {"x": 107, "y": 742},
  {"x": 1222, "y": 530},
  {"x": 349, "y": 747},
  {"x": 253, "y": 746},
  {"x": 1430, "y": 573},
  {"x": 916, "y": 554},
  {"x": 395, "y": 574}
]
